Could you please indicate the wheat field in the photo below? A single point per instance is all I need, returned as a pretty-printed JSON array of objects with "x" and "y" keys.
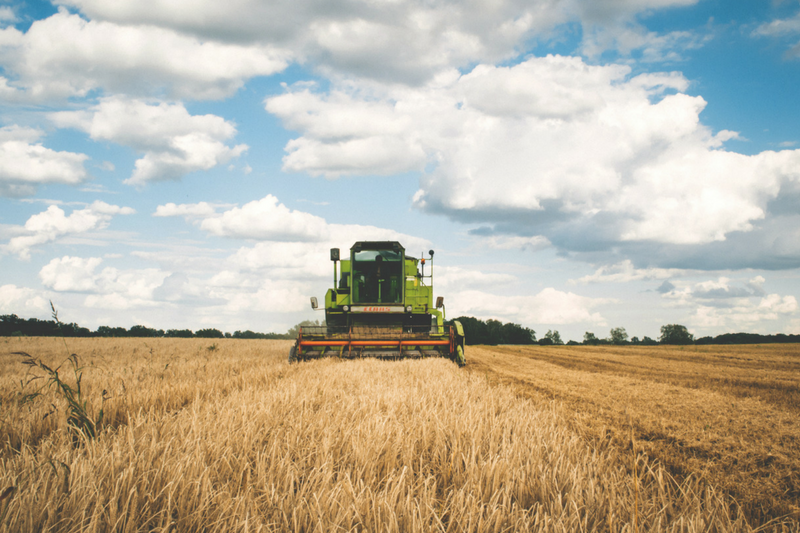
[{"x": 224, "y": 435}]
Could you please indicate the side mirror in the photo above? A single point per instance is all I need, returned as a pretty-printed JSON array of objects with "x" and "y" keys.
[
  {"x": 315, "y": 304},
  {"x": 334, "y": 254},
  {"x": 439, "y": 302}
]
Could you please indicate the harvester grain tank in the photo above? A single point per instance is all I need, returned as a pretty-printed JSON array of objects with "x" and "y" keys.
[{"x": 381, "y": 305}]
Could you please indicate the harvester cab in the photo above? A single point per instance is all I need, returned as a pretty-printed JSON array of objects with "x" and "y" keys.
[{"x": 381, "y": 305}]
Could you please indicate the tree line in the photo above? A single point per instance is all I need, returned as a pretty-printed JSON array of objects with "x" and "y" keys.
[
  {"x": 12, "y": 325},
  {"x": 477, "y": 331},
  {"x": 495, "y": 332}
]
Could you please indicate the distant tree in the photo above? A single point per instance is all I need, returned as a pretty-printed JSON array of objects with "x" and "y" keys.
[
  {"x": 516, "y": 334},
  {"x": 618, "y": 336},
  {"x": 554, "y": 336},
  {"x": 107, "y": 331},
  {"x": 494, "y": 328},
  {"x": 675, "y": 334},
  {"x": 179, "y": 333},
  {"x": 573, "y": 343},
  {"x": 647, "y": 341},
  {"x": 144, "y": 331},
  {"x": 590, "y": 338},
  {"x": 209, "y": 333},
  {"x": 635, "y": 340}
]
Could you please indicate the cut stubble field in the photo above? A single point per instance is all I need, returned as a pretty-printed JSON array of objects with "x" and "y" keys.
[{"x": 224, "y": 435}]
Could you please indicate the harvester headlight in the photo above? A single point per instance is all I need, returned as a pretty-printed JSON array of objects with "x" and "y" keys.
[
  {"x": 346, "y": 308},
  {"x": 409, "y": 308}
]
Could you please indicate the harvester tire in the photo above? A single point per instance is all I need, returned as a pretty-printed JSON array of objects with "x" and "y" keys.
[
  {"x": 292, "y": 354},
  {"x": 460, "y": 356}
]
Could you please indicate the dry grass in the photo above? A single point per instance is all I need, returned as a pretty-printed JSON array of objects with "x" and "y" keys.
[
  {"x": 225, "y": 436},
  {"x": 726, "y": 413}
]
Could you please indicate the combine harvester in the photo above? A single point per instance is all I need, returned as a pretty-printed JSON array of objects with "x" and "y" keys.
[{"x": 380, "y": 306}]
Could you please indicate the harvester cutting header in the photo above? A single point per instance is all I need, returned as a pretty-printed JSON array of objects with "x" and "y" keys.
[{"x": 381, "y": 305}]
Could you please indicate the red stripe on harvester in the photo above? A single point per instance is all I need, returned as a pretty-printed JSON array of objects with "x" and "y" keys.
[{"x": 376, "y": 343}]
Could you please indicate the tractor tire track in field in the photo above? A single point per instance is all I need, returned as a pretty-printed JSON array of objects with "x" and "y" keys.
[{"x": 713, "y": 413}]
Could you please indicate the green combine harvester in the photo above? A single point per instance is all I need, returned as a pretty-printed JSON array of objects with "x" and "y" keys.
[{"x": 380, "y": 306}]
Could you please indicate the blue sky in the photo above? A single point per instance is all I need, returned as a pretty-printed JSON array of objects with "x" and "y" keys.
[{"x": 576, "y": 165}]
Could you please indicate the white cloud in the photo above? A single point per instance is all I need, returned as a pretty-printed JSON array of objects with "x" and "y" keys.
[
  {"x": 7, "y": 15},
  {"x": 202, "y": 209},
  {"x": 65, "y": 55},
  {"x": 747, "y": 315},
  {"x": 732, "y": 304},
  {"x": 53, "y": 223},
  {"x": 778, "y": 27},
  {"x": 409, "y": 41},
  {"x": 269, "y": 220},
  {"x": 549, "y": 306},
  {"x": 551, "y": 145},
  {"x": 110, "y": 288},
  {"x": 720, "y": 292},
  {"x": 781, "y": 28},
  {"x": 70, "y": 274},
  {"x": 25, "y": 163},
  {"x": 346, "y": 136},
  {"x": 174, "y": 142},
  {"x": 270, "y": 295},
  {"x": 455, "y": 278},
  {"x": 514, "y": 242},
  {"x": 625, "y": 271},
  {"x": 627, "y": 38},
  {"x": 23, "y": 301}
]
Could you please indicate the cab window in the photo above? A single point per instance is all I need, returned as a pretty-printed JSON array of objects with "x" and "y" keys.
[{"x": 377, "y": 276}]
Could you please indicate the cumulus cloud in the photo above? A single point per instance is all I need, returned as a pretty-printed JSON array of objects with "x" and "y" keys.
[
  {"x": 53, "y": 223},
  {"x": 23, "y": 301},
  {"x": 553, "y": 147},
  {"x": 110, "y": 288},
  {"x": 7, "y": 15},
  {"x": 549, "y": 306},
  {"x": 457, "y": 278},
  {"x": 269, "y": 220},
  {"x": 730, "y": 304},
  {"x": 70, "y": 274},
  {"x": 65, "y": 55},
  {"x": 408, "y": 41},
  {"x": 228, "y": 291},
  {"x": 750, "y": 315},
  {"x": 720, "y": 292},
  {"x": 25, "y": 163},
  {"x": 281, "y": 296},
  {"x": 174, "y": 142}
]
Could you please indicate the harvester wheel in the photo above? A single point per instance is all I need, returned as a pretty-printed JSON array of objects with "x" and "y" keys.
[
  {"x": 460, "y": 356},
  {"x": 293, "y": 354}
]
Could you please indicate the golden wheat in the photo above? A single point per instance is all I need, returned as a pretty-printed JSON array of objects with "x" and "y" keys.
[{"x": 225, "y": 436}]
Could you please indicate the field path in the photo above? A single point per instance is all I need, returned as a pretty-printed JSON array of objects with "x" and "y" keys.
[{"x": 726, "y": 414}]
